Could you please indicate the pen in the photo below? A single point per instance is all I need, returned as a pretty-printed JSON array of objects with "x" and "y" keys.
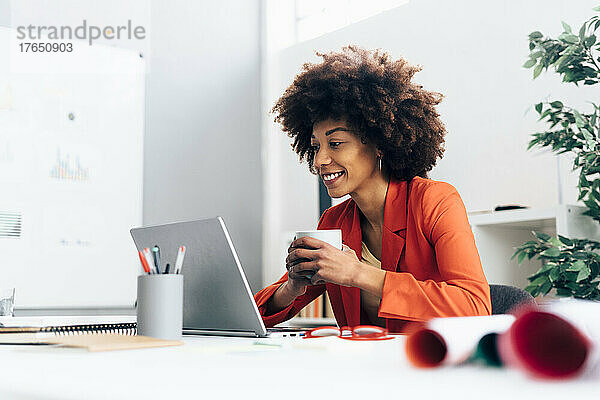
[
  {"x": 156, "y": 256},
  {"x": 144, "y": 262},
  {"x": 167, "y": 268},
  {"x": 179, "y": 261},
  {"x": 149, "y": 260}
]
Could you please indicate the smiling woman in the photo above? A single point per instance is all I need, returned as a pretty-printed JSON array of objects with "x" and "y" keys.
[{"x": 409, "y": 253}]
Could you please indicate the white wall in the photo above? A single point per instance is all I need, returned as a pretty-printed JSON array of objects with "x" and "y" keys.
[
  {"x": 472, "y": 52},
  {"x": 5, "y": 13}
]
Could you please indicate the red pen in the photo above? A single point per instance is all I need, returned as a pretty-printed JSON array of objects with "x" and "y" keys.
[
  {"x": 149, "y": 260},
  {"x": 144, "y": 262}
]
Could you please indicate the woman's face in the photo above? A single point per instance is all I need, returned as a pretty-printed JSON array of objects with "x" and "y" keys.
[{"x": 343, "y": 162}]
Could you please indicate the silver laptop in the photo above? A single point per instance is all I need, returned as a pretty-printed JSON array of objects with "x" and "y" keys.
[{"x": 216, "y": 296}]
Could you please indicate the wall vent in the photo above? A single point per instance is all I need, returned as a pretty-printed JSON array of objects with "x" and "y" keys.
[{"x": 10, "y": 224}]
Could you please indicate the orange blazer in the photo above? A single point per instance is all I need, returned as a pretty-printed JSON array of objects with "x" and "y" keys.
[{"x": 433, "y": 267}]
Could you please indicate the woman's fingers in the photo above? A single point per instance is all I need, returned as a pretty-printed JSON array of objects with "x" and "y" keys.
[
  {"x": 298, "y": 277},
  {"x": 300, "y": 254},
  {"x": 304, "y": 266},
  {"x": 317, "y": 279},
  {"x": 309, "y": 242}
]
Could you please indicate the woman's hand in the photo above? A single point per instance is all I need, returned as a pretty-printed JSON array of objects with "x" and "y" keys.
[
  {"x": 296, "y": 283},
  {"x": 327, "y": 263}
]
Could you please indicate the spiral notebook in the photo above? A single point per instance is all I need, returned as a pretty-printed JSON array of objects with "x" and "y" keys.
[{"x": 40, "y": 330}]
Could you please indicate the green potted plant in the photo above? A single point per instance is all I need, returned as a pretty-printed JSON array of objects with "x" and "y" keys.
[{"x": 571, "y": 266}]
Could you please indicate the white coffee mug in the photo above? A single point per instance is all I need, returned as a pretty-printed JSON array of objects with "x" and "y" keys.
[{"x": 331, "y": 236}]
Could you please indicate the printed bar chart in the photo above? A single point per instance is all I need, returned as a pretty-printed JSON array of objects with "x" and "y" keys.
[{"x": 69, "y": 169}]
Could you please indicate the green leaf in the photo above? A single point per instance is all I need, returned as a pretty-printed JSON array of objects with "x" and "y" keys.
[
  {"x": 555, "y": 242},
  {"x": 537, "y": 54},
  {"x": 542, "y": 236},
  {"x": 582, "y": 32},
  {"x": 533, "y": 290},
  {"x": 547, "y": 267},
  {"x": 589, "y": 138},
  {"x": 545, "y": 288},
  {"x": 590, "y": 41},
  {"x": 535, "y": 35},
  {"x": 554, "y": 275},
  {"x": 589, "y": 213},
  {"x": 580, "y": 255},
  {"x": 563, "y": 292},
  {"x": 521, "y": 257},
  {"x": 529, "y": 64},
  {"x": 538, "y": 108},
  {"x": 577, "y": 266},
  {"x": 557, "y": 104},
  {"x": 580, "y": 265},
  {"x": 591, "y": 204},
  {"x": 584, "y": 273},
  {"x": 551, "y": 252},
  {"x": 517, "y": 252},
  {"x": 578, "y": 119},
  {"x": 566, "y": 27},
  {"x": 583, "y": 182},
  {"x": 565, "y": 241},
  {"x": 533, "y": 143},
  {"x": 537, "y": 70},
  {"x": 596, "y": 8},
  {"x": 571, "y": 39},
  {"x": 540, "y": 280},
  {"x": 565, "y": 58}
]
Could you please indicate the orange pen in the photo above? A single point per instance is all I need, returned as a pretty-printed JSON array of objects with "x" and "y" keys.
[{"x": 144, "y": 262}]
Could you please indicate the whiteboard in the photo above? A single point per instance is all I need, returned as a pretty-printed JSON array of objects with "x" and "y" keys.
[{"x": 71, "y": 173}]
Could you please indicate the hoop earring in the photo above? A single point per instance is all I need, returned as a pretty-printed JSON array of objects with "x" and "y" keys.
[{"x": 380, "y": 164}]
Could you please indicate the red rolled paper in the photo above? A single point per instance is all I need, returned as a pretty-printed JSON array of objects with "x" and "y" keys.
[
  {"x": 426, "y": 349},
  {"x": 545, "y": 345}
]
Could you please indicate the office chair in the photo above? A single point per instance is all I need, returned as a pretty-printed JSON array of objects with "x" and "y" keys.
[{"x": 505, "y": 298}]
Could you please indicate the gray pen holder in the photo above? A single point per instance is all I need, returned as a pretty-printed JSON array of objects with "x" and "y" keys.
[{"x": 160, "y": 306}]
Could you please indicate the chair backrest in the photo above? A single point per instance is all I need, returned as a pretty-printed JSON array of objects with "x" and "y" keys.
[{"x": 505, "y": 298}]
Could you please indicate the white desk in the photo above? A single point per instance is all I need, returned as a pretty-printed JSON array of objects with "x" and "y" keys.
[{"x": 227, "y": 368}]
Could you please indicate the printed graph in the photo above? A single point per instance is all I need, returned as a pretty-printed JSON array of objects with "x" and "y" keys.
[{"x": 68, "y": 168}]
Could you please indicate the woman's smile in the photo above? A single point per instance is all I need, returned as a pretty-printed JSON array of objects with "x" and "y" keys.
[{"x": 330, "y": 179}]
